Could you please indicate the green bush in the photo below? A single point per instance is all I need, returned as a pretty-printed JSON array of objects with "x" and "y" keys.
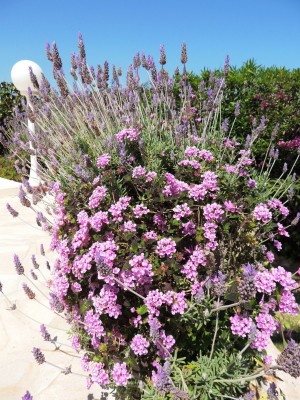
[{"x": 7, "y": 169}]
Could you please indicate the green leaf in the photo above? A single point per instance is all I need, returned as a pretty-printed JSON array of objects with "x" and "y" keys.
[{"x": 142, "y": 310}]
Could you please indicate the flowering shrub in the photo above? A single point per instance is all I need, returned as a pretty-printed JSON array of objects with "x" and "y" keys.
[{"x": 165, "y": 233}]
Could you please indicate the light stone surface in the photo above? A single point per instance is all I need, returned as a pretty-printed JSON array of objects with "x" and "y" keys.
[{"x": 19, "y": 329}]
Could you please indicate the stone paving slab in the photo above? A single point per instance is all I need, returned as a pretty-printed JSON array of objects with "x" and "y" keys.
[{"x": 19, "y": 329}]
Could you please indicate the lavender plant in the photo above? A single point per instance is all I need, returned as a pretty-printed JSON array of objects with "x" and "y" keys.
[{"x": 166, "y": 232}]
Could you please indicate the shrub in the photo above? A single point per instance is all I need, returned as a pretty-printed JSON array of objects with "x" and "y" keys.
[{"x": 165, "y": 231}]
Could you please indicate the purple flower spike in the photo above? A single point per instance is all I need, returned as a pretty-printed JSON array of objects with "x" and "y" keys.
[
  {"x": 18, "y": 266},
  {"x": 38, "y": 355},
  {"x": 27, "y": 396},
  {"x": 11, "y": 210}
]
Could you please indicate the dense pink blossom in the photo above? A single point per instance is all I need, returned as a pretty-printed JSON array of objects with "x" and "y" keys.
[
  {"x": 97, "y": 375},
  {"x": 213, "y": 212},
  {"x": 141, "y": 269},
  {"x": 140, "y": 210},
  {"x": 129, "y": 133},
  {"x": 139, "y": 345},
  {"x": 164, "y": 344},
  {"x": 284, "y": 277},
  {"x": 120, "y": 374},
  {"x": 93, "y": 324},
  {"x": 191, "y": 151},
  {"x": 166, "y": 247},
  {"x": 150, "y": 176},
  {"x": 190, "y": 268},
  {"x": 288, "y": 304},
  {"x": 103, "y": 160},
  {"x": 231, "y": 207},
  {"x": 261, "y": 341},
  {"x": 240, "y": 325},
  {"x": 262, "y": 213},
  {"x": 206, "y": 155},
  {"x": 210, "y": 233},
  {"x": 266, "y": 323},
  {"x": 281, "y": 230},
  {"x": 117, "y": 208},
  {"x": 98, "y": 194},
  {"x": 174, "y": 186},
  {"x": 98, "y": 220},
  {"x": 177, "y": 301},
  {"x": 181, "y": 211},
  {"x": 153, "y": 301},
  {"x": 270, "y": 256},
  {"x": 139, "y": 172},
  {"x": 129, "y": 226},
  {"x": 264, "y": 282},
  {"x": 188, "y": 228},
  {"x": 150, "y": 235},
  {"x": 276, "y": 204},
  {"x": 193, "y": 163},
  {"x": 106, "y": 302}
]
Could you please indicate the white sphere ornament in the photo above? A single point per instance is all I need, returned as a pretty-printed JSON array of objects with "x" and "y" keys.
[{"x": 20, "y": 75}]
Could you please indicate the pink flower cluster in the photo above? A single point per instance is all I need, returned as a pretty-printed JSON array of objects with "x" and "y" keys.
[
  {"x": 120, "y": 374},
  {"x": 141, "y": 172},
  {"x": 103, "y": 160},
  {"x": 140, "y": 210},
  {"x": 139, "y": 345},
  {"x": 117, "y": 208},
  {"x": 190, "y": 268},
  {"x": 98, "y": 194},
  {"x": 262, "y": 213},
  {"x": 166, "y": 247},
  {"x": 174, "y": 186},
  {"x": 207, "y": 187},
  {"x": 141, "y": 269},
  {"x": 181, "y": 211},
  {"x": 240, "y": 325},
  {"x": 129, "y": 133}
]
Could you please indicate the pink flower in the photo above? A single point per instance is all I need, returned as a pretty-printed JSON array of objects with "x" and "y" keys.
[
  {"x": 129, "y": 226},
  {"x": 98, "y": 194},
  {"x": 262, "y": 213},
  {"x": 166, "y": 247},
  {"x": 190, "y": 269},
  {"x": 240, "y": 325},
  {"x": 150, "y": 235},
  {"x": 288, "y": 303},
  {"x": 181, "y": 211},
  {"x": 120, "y": 374},
  {"x": 252, "y": 183},
  {"x": 264, "y": 282},
  {"x": 140, "y": 210},
  {"x": 213, "y": 212},
  {"x": 129, "y": 133},
  {"x": 103, "y": 160},
  {"x": 138, "y": 172},
  {"x": 281, "y": 230},
  {"x": 139, "y": 345},
  {"x": 98, "y": 374},
  {"x": 150, "y": 176}
]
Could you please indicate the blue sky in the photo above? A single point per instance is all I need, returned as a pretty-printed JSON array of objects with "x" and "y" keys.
[{"x": 114, "y": 30}]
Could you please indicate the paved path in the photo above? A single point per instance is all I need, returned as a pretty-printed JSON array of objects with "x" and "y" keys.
[{"x": 19, "y": 329}]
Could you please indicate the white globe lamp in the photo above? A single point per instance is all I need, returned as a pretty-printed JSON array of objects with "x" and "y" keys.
[{"x": 20, "y": 77}]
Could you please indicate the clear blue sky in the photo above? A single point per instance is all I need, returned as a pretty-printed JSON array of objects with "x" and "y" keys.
[{"x": 114, "y": 30}]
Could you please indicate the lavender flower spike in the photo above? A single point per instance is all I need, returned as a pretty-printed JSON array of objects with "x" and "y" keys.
[
  {"x": 45, "y": 334},
  {"x": 38, "y": 355},
  {"x": 27, "y": 396},
  {"x": 18, "y": 266},
  {"x": 11, "y": 210},
  {"x": 28, "y": 291}
]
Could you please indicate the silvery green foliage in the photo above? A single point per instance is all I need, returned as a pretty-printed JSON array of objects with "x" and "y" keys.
[{"x": 205, "y": 378}]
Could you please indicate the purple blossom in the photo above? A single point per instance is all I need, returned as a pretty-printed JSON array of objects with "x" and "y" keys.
[
  {"x": 181, "y": 211},
  {"x": 262, "y": 213},
  {"x": 139, "y": 345},
  {"x": 38, "y": 355},
  {"x": 103, "y": 160},
  {"x": 190, "y": 269},
  {"x": 120, "y": 374},
  {"x": 166, "y": 247},
  {"x": 98, "y": 194},
  {"x": 240, "y": 325},
  {"x": 27, "y": 396}
]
